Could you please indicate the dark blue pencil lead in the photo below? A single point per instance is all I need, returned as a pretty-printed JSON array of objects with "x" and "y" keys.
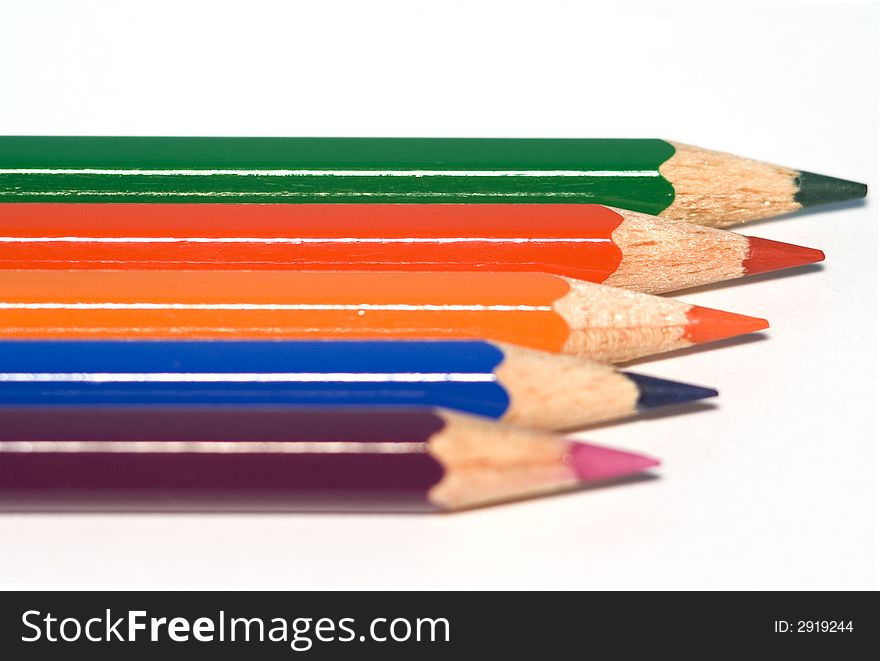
[{"x": 654, "y": 392}]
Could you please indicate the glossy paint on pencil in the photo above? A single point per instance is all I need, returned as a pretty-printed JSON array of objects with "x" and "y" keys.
[
  {"x": 367, "y": 170},
  {"x": 573, "y": 240},
  {"x": 535, "y": 310},
  {"x": 658, "y": 177},
  {"x": 456, "y": 375},
  {"x": 511, "y": 307}
]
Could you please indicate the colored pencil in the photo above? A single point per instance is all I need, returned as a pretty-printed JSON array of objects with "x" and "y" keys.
[
  {"x": 291, "y": 459},
  {"x": 589, "y": 242},
  {"x": 652, "y": 176},
  {"x": 515, "y": 385},
  {"x": 535, "y": 310}
]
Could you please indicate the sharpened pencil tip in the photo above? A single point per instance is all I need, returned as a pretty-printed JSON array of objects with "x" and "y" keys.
[
  {"x": 654, "y": 392},
  {"x": 594, "y": 462},
  {"x": 816, "y": 189},
  {"x": 766, "y": 255},
  {"x": 708, "y": 325}
]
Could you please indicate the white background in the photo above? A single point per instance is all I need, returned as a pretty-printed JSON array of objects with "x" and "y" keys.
[{"x": 774, "y": 487}]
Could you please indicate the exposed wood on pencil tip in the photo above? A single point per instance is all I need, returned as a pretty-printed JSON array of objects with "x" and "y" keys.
[
  {"x": 486, "y": 462},
  {"x": 720, "y": 189},
  {"x": 652, "y": 253},
  {"x": 565, "y": 392}
]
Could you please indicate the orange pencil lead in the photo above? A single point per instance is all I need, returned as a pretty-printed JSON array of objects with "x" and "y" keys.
[{"x": 708, "y": 324}]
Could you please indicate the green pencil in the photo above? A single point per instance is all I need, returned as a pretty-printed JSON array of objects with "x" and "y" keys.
[{"x": 652, "y": 176}]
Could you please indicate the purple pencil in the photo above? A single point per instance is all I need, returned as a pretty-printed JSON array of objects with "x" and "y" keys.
[{"x": 284, "y": 459}]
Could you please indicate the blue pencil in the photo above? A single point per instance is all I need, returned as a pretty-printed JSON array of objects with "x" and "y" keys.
[{"x": 494, "y": 380}]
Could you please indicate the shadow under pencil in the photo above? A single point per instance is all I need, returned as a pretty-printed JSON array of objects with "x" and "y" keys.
[
  {"x": 738, "y": 341},
  {"x": 35, "y": 508},
  {"x": 751, "y": 280},
  {"x": 654, "y": 414},
  {"x": 806, "y": 211}
]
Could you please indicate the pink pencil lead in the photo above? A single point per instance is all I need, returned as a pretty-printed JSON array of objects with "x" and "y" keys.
[{"x": 594, "y": 462}]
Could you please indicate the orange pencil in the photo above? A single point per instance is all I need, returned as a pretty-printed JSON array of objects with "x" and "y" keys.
[
  {"x": 585, "y": 241},
  {"x": 537, "y": 310}
]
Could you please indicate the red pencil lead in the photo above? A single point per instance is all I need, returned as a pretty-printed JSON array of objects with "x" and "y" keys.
[{"x": 766, "y": 255}]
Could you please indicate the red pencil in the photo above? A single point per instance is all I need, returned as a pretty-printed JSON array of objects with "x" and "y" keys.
[{"x": 589, "y": 242}]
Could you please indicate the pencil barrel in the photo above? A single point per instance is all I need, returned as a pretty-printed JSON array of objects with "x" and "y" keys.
[
  {"x": 457, "y": 375},
  {"x": 216, "y": 459},
  {"x": 332, "y": 170}
]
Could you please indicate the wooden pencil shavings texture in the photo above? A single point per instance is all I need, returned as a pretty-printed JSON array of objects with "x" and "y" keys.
[
  {"x": 560, "y": 392},
  {"x": 719, "y": 189},
  {"x": 615, "y": 325},
  {"x": 658, "y": 256},
  {"x": 486, "y": 463}
]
